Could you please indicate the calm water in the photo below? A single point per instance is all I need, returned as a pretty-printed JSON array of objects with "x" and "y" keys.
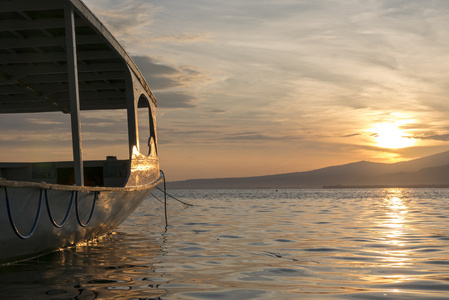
[{"x": 258, "y": 244}]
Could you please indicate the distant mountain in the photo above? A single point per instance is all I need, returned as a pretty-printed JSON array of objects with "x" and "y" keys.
[{"x": 429, "y": 170}]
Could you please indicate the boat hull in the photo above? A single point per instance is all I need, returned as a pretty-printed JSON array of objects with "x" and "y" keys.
[
  {"x": 47, "y": 205},
  {"x": 60, "y": 217}
]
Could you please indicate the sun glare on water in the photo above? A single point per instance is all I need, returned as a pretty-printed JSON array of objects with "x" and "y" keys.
[{"x": 390, "y": 135}]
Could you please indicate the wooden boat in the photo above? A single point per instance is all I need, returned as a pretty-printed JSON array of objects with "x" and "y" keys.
[{"x": 55, "y": 55}]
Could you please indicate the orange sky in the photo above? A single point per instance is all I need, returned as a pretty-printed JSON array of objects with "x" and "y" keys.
[{"x": 250, "y": 88}]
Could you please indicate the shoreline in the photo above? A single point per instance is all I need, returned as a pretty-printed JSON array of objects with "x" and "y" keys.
[{"x": 383, "y": 186}]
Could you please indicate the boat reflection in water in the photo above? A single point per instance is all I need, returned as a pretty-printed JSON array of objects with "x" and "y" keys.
[{"x": 113, "y": 267}]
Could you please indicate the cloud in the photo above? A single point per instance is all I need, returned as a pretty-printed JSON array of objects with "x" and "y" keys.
[
  {"x": 216, "y": 111},
  {"x": 253, "y": 137},
  {"x": 158, "y": 76},
  {"x": 52, "y": 130},
  {"x": 351, "y": 135},
  {"x": 33, "y": 127},
  {"x": 124, "y": 17},
  {"x": 174, "y": 100},
  {"x": 184, "y": 37},
  {"x": 435, "y": 137},
  {"x": 162, "y": 76},
  {"x": 170, "y": 83}
]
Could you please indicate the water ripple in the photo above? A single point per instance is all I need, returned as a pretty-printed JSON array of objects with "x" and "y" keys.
[{"x": 258, "y": 244}]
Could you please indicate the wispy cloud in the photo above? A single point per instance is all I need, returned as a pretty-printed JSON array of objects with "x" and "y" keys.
[
  {"x": 436, "y": 137},
  {"x": 306, "y": 78},
  {"x": 175, "y": 100},
  {"x": 163, "y": 76},
  {"x": 184, "y": 37},
  {"x": 124, "y": 17}
]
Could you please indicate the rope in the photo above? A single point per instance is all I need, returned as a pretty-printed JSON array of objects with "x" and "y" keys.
[
  {"x": 165, "y": 192},
  {"x": 91, "y": 212},
  {"x": 52, "y": 220},
  {"x": 11, "y": 221},
  {"x": 161, "y": 201},
  {"x": 165, "y": 201}
]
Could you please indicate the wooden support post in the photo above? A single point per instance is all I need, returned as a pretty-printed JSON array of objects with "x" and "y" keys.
[
  {"x": 72, "y": 67},
  {"x": 133, "y": 126}
]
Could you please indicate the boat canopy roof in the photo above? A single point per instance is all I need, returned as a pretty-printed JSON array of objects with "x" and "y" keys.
[{"x": 34, "y": 72}]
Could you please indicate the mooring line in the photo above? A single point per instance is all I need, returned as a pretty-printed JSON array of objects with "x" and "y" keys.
[
  {"x": 161, "y": 201},
  {"x": 188, "y": 204},
  {"x": 165, "y": 200}
]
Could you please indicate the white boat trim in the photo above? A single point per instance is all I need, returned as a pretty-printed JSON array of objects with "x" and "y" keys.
[{"x": 59, "y": 187}]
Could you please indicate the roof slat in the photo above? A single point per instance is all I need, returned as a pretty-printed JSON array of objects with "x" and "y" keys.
[
  {"x": 63, "y": 78},
  {"x": 51, "y": 68},
  {"x": 50, "y": 88},
  {"x": 29, "y": 5},
  {"x": 52, "y": 57},
  {"x": 11, "y": 25},
  {"x": 86, "y": 95},
  {"x": 45, "y": 42}
]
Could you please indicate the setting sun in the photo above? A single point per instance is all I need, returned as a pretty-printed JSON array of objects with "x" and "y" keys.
[{"x": 390, "y": 135}]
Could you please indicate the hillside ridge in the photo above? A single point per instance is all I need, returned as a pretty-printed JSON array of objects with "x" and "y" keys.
[{"x": 428, "y": 170}]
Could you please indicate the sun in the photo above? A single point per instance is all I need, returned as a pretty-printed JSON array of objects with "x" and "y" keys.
[{"x": 390, "y": 135}]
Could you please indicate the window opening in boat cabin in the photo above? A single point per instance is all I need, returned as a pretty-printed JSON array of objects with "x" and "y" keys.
[
  {"x": 35, "y": 137},
  {"x": 147, "y": 139},
  {"x": 104, "y": 133},
  {"x": 39, "y": 146}
]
